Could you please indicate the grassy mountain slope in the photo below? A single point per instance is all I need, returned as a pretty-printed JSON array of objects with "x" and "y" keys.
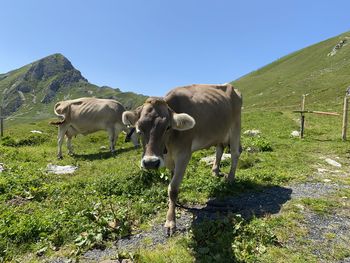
[
  {"x": 312, "y": 70},
  {"x": 31, "y": 91}
]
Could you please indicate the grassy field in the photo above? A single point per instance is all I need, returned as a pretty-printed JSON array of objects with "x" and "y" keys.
[
  {"x": 307, "y": 71},
  {"x": 43, "y": 215}
]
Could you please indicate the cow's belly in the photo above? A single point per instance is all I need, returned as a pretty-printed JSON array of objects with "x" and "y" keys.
[
  {"x": 87, "y": 129},
  {"x": 199, "y": 143}
]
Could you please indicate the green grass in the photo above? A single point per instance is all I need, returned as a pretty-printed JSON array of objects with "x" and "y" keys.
[
  {"x": 319, "y": 205},
  {"x": 109, "y": 196}
]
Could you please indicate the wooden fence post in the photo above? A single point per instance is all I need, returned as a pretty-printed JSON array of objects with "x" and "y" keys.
[
  {"x": 303, "y": 112},
  {"x": 345, "y": 118},
  {"x": 1, "y": 123},
  {"x": 302, "y": 117}
]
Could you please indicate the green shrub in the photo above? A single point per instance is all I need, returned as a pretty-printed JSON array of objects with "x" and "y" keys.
[
  {"x": 257, "y": 144},
  {"x": 8, "y": 141},
  {"x": 231, "y": 239},
  {"x": 104, "y": 222},
  {"x": 247, "y": 161},
  {"x": 251, "y": 239},
  {"x": 30, "y": 140}
]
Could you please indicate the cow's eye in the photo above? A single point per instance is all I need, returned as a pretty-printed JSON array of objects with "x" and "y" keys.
[{"x": 168, "y": 128}]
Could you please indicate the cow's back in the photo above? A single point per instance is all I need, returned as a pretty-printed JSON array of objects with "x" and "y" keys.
[{"x": 214, "y": 108}]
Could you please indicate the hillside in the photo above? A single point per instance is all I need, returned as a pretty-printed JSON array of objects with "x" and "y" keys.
[
  {"x": 321, "y": 70},
  {"x": 31, "y": 91}
]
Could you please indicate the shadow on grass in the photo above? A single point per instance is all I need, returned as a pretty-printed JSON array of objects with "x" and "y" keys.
[
  {"x": 102, "y": 155},
  {"x": 326, "y": 140},
  {"x": 217, "y": 227}
]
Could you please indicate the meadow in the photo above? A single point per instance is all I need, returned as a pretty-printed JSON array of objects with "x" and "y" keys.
[{"x": 44, "y": 216}]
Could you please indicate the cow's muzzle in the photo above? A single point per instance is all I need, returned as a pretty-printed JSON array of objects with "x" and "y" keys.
[{"x": 152, "y": 162}]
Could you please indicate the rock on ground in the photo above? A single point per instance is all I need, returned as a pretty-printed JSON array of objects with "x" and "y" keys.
[
  {"x": 295, "y": 134},
  {"x": 209, "y": 160},
  {"x": 332, "y": 162},
  {"x": 252, "y": 133},
  {"x": 58, "y": 169}
]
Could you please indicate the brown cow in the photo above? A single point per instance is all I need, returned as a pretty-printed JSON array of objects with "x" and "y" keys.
[
  {"x": 88, "y": 115},
  {"x": 187, "y": 119}
]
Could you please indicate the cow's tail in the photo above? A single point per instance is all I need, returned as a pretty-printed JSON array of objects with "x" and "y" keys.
[
  {"x": 60, "y": 116},
  {"x": 56, "y": 122}
]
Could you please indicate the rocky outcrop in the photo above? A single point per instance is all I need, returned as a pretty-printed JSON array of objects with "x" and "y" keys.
[
  {"x": 64, "y": 80},
  {"x": 338, "y": 46},
  {"x": 48, "y": 67},
  {"x": 11, "y": 104},
  {"x": 24, "y": 87}
]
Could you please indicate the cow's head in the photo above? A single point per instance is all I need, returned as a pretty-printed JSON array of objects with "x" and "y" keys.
[{"x": 154, "y": 121}]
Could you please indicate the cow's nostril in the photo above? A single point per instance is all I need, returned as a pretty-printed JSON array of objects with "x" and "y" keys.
[
  {"x": 151, "y": 164},
  {"x": 157, "y": 163}
]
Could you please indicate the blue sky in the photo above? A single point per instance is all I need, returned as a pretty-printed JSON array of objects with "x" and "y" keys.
[{"x": 152, "y": 46}]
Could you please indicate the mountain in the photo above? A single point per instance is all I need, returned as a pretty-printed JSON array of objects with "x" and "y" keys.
[
  {"x": 31, "y": 91},
  {"x": 321, "y": 70}
]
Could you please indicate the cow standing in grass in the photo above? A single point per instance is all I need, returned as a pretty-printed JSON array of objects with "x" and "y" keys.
[
  {"x": 88, "y": 115},
  {"x": 187, "y": 119}
]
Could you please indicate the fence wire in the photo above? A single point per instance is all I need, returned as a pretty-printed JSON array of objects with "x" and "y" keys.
[{"x": 244, "y": 110}]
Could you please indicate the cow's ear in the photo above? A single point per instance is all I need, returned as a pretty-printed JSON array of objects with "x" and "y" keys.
[
  {"x": 129, "y": 118},
  {"x": 182, "y": 121}
]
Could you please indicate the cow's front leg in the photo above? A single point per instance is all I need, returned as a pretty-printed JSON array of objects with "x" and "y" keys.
[
  {"x": 236, "y": 149},
  {"x": 169, "y": 163},
  {"x": 173, "y": 190},
  {"x": 135, "y": 140}
]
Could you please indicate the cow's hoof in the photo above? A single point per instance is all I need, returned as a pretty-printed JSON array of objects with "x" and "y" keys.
[
  {"x": 59, "y": 157},
  {"x": 170, "y": 231},
  {"x": 215, "y": 173},
  {"x": 218, "y": 174},
  {"x": 230, "y": 179}
]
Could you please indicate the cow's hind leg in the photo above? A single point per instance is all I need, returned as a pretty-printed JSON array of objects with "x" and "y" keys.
[
  {"x": 69, "y": 145},
  {"x": 218, "y": 155},
  {"x": 112, "y": 139},
  {"x": 235, "y": 148},
  {"x": 62, "y": 129},
  {"x": 180, "y": 166}
]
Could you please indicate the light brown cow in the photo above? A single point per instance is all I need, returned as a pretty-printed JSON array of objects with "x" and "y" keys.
[
  {"x": 187, "y": 119},
  {"x": 88, "y": 115}
]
